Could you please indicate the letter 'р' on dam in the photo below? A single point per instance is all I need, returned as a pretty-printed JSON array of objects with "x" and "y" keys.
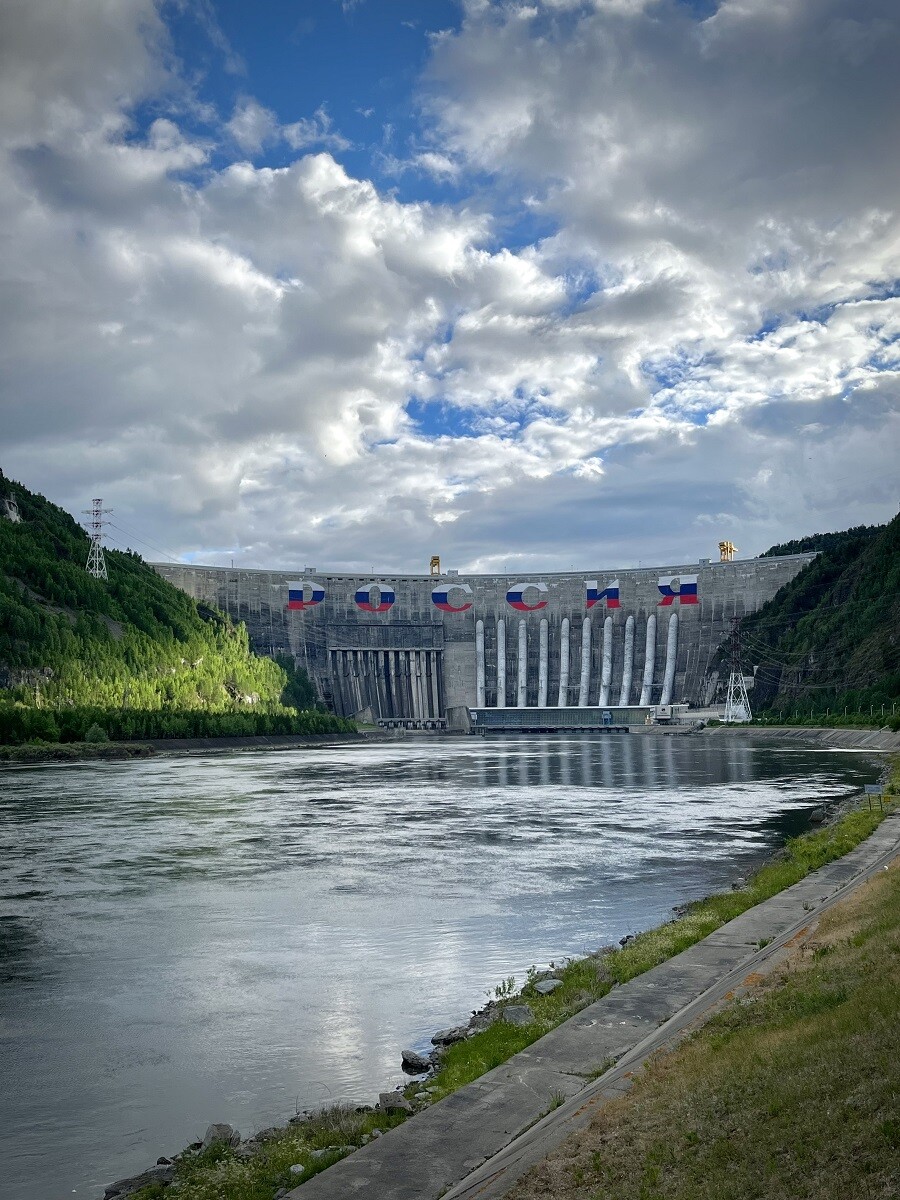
[{"x": 426, "y": 649}]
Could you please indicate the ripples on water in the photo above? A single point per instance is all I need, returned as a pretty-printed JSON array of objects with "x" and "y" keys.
[{"x": 225, "y": 937}]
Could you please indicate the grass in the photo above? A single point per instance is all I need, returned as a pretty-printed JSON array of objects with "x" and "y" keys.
[
  {"x": 219, "y": 1174},
  {"x": 71, "y": 751},
  {"x": 829, "y": 720},
  {"x": 790, "y": 1092}
]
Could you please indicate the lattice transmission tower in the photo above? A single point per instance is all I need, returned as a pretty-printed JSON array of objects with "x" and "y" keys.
[
  {"x": 737, "y": 702},
  {"x": 96, "y": 561}
]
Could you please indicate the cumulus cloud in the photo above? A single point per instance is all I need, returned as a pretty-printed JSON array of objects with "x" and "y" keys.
[
  {"x": 290, "y": 363},
  {"x": 251, "y": 125}
]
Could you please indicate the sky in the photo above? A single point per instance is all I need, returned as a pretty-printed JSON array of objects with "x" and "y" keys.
[{"x": 529, "y": 285}]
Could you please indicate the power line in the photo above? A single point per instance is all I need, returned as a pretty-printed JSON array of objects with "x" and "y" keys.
[{"x": 146, "y": 542}]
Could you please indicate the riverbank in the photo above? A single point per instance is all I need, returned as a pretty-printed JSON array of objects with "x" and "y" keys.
[
  {"x": 879, "y": 740},
  {"x": 258, "y": 1168},
  {"x": 883, "y": 740},
  {"x": 83, "y": 751},
  {"x": 729, "y": 1114},
  {"x": 63, "y": 752}
]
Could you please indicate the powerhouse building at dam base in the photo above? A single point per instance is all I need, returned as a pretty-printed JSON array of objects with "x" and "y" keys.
[{"x": 428, "y": 649}]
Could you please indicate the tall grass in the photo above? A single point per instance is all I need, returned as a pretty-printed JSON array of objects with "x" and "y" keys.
[{"x": 791, "y": 1092}]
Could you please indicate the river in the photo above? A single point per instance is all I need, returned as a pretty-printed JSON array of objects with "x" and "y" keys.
[{"x": 237, "y": 936}]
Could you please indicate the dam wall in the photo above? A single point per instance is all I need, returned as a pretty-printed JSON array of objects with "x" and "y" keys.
[{"x": 416, "y": 646}]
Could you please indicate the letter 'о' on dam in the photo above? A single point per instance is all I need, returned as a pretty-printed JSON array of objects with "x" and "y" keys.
[{"x": 419, "y": 647}]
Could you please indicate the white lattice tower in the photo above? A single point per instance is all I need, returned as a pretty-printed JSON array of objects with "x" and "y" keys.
[
  {"x": 96, "y": 561},
  {"x": 737, "y": 702}
]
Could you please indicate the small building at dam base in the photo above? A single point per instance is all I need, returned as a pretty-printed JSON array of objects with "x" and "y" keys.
[{"x": 415, "y": 648}]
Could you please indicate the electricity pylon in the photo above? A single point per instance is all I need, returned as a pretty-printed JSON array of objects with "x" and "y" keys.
[
  {"x": 737, "y": 702},
  {"x": 96, "y": 561}
]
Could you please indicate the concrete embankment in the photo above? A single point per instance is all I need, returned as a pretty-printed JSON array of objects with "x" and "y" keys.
[
  {"x": 882, "y": 740},
  {"x": 478, "y": 1141}
]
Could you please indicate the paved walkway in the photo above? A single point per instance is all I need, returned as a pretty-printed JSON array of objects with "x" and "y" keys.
[{"x": 480, "y": 1140}]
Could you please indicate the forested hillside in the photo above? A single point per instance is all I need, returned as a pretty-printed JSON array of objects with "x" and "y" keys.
[
  {"x": 830, "y": 639},
  {"x": 133, "y": 656}
]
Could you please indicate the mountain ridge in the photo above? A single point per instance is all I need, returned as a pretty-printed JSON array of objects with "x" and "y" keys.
[{"x": 133, "y": 655}]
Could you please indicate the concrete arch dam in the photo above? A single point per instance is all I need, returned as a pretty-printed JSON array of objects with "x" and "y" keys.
[{"x": 415, "y": 647}]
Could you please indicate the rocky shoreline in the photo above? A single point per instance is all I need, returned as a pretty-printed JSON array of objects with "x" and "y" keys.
[{"x": 419, "y": 1067}]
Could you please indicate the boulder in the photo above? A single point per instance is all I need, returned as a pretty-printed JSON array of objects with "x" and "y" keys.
[
  {"x": 446, "y": 1037},
  {"x": 518, "y": 1014},
  {"x": 415, "y": 1063},
  {"x": 546, "y": 986},
  {"x": 163, "y": 1173},
  {"x": 220, "y": 1132},
  {"x": 393, "y": 1100},
  {"x": 483, "y": 1020},
  {"x": 297, "y": 1169}
]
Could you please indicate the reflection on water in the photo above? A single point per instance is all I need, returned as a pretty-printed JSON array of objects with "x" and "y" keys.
[
  {"x": 224, "y": 937},
  {"x": 629, "y": 762}
]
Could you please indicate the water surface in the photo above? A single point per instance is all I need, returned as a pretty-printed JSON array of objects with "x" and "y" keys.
[{"x": 235, "y": 936}]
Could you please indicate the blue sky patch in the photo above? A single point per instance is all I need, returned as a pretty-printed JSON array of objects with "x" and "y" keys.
[
  {"x": 360, "y": 63},
  {"x": 437, "y": 418}
]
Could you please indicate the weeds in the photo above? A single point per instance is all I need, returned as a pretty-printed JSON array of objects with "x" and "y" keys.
[{"x": 505, "y": 989}]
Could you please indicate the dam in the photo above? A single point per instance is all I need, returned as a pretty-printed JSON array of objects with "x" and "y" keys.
[{"x": 426, "y": 649}]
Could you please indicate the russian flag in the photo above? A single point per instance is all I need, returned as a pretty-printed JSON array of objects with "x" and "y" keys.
[
  {"x": 440, "y": 597},
  {"x": 303, "y": 594},
  {"x": 386, "y": 598},
  {"x": 610, "y": 593},
  {"x": 515, "y": 593},
  {"x": 681, "y": 588}
]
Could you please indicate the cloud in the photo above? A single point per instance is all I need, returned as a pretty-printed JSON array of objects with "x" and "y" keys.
[
  {"x": 314, "y": 131},
  {"x": 664, "y": 309},
  {"x": 251, "y": 125}
]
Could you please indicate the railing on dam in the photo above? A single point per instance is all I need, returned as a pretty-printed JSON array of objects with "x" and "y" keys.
[{"x": 614, "y": 719}]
